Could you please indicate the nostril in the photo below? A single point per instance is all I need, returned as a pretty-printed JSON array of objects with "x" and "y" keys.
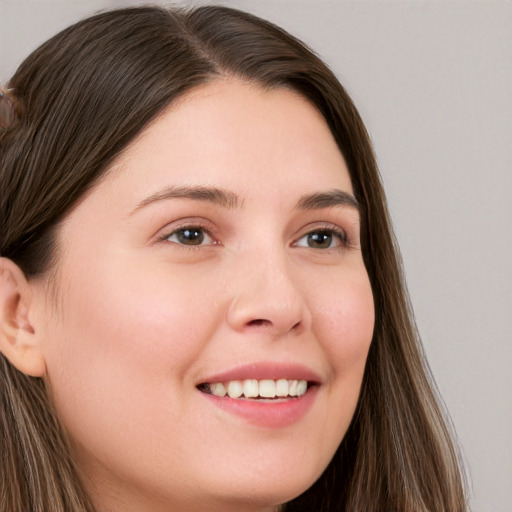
[
  {"x": 261, "y": 322},
  {"x": 258, "y": 321}
]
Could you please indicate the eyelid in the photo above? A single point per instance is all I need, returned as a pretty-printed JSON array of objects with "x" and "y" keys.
[
  {"x": 188, "y": 223},
  {"x": 177, "y": 232},
  {"x": 336, "y": 230}
]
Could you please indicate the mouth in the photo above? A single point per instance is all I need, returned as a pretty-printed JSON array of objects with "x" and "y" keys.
[
  {"x": 258, "y": 390},
  {"x": 267, "y": 395}
]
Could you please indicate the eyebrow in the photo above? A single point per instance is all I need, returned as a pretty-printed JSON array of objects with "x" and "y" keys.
[
  {"x": 228, "y": 199},
  {"x": 335, "y": 197},
  {"x": 213, "y": 195}
]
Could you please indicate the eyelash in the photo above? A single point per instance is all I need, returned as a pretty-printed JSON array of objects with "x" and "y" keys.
[
  {"x": 333, "y": 231},
  {"x": 190, "y": 227}
]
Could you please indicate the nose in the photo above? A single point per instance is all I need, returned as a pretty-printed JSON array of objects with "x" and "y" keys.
[{"x": 267, "y": 297}]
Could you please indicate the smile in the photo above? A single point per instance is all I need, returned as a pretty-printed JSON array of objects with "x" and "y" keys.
[
  {"x": 265, "y": 394},
  {"x": 254, "y": 389}
]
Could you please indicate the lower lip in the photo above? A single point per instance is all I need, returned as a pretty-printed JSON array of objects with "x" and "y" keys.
[{"x": 269, "y": 414}]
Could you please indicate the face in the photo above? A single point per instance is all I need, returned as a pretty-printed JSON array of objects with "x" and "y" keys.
[{"x": 213, "y": 314}]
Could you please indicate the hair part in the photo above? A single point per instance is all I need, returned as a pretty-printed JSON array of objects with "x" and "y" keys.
[{"x": 84, "y": 96}]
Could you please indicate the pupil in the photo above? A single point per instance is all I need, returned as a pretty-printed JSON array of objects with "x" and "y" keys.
[
  {"x": 191, "y": 236},
  {"x": 320, "y": 239}
]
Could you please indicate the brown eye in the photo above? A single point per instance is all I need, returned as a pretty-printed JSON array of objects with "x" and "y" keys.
[
  {"x": 189, "y": 236},
  {"x": 322, "y": 239}
]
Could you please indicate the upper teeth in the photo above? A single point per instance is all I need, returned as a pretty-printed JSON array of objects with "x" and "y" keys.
[{"x": 266, "y": 388}]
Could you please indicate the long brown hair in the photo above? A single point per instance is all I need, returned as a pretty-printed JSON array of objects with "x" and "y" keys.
[{"x": 82, "y": 98}]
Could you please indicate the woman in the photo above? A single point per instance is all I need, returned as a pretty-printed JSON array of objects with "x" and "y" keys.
[{"x": 202, "y": 303}]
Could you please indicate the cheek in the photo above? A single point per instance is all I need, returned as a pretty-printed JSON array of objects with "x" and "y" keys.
[
  {"x": 123, "y": 341},
  {"x": 344, "y": 320},
  {"x": 129, "y": 314}
]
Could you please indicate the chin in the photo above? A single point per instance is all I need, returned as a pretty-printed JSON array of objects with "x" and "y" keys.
[{"x": 264, "y": 491}]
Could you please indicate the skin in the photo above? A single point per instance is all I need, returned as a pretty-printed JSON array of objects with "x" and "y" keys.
[{"x": 138, "y": 318}]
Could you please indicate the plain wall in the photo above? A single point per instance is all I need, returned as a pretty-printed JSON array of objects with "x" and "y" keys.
[{"x": 433, "y": 81}]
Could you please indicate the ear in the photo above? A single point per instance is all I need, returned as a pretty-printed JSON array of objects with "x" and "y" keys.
[{"x": 19, "y": 342}]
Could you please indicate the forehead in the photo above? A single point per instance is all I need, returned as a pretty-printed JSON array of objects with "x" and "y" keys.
[{"x": 229, "y": 125}]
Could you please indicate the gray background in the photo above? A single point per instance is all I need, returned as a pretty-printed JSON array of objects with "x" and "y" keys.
[{"x": 433, "y": 81}]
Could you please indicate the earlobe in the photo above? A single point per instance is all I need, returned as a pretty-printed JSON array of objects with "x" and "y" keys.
[{"x": 19, "y": 342}]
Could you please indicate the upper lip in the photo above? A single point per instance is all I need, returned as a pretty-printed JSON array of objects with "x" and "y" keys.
[{"x": 265, "y": 370}]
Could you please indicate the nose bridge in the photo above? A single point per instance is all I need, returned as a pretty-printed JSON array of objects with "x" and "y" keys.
[{"x": 266, "y": 292}]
